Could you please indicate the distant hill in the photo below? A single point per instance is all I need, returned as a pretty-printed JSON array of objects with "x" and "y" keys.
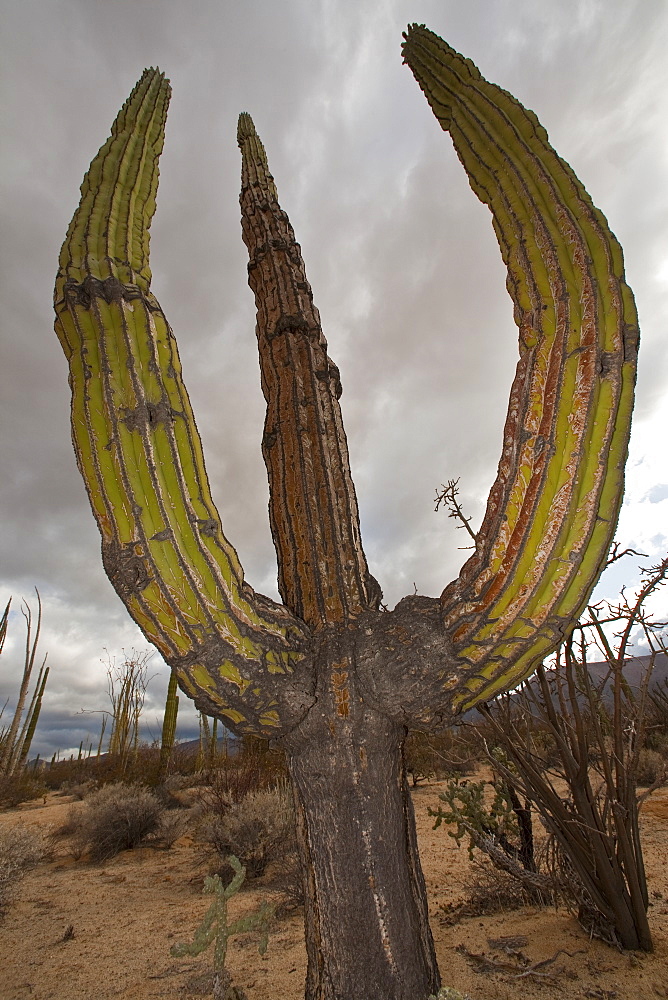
[
  {"x": 634, "y": 671},
  {"x": 229, "y": 744}
]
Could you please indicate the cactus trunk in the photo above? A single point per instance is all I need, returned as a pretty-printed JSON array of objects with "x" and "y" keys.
[
  {"x": 333, "y": 678},
  {"x": 366, "y": 914}
]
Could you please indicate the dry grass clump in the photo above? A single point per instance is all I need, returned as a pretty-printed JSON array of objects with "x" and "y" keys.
[
  {"x": 173, "y": 824},
  {"x": 447, "y": 993},
  {"x": 23, "y": 787},
  {"x": 652, "y": 768},
  {"x": 77, "y": 789},
  {"x": 21, "y": 848},
  {"x": 115, "y": 818},
  {"x": 258, "y": 829}
]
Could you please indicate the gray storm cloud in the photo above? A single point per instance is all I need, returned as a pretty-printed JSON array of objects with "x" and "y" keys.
[{"x": 401, "y": 256}]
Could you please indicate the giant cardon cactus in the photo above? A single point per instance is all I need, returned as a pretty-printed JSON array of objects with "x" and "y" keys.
[{"x": 336, "y": 680}]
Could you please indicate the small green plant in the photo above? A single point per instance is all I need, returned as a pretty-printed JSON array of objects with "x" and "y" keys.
[
  {"x": 216, "y": 928},
  {"x": 502, "y": 830},
  {"x": 504, "y": 820}
]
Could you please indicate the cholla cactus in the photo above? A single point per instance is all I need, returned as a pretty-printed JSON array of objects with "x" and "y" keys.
[
  {"x": 216, "y": 928},
  {"x": 333, "y": 678}
]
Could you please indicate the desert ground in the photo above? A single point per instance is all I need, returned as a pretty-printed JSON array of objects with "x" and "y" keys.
[{"x": 82, "y": 931}]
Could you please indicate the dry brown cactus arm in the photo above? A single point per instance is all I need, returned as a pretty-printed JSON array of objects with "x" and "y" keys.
[
  {"x": 238, "y": 654},
  {"x": 552, "y": 510},
  {"x": 323, "y": 574}
]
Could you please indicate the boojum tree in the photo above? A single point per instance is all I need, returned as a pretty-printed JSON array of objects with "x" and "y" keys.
[{"x": 329, "y": 674}]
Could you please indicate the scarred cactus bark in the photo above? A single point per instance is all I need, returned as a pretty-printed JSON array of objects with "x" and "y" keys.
[
  {"x": 335, "y": 679},
  {"x": 323, "y": 575}
]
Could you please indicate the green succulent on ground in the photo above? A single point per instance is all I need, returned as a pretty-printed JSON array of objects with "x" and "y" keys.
[{"x": 216, "y": 928}]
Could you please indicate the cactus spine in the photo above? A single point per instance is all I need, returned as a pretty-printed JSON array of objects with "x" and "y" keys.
[{"x": 329, "y": 675}]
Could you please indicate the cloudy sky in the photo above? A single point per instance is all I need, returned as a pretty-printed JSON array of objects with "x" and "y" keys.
[{"x": 402, "y": 260}]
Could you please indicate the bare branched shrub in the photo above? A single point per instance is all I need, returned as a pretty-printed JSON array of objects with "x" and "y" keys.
[
  {"x": 21, "y": 848},
  {"x": 488, "y": 891},
  {"x": 598, "y": 726},
  {"x": 652, "y": 768},
  {"x": 126, "y": 686},
  {"x": 266, "y": 758},
  {"x": 116, "y": 818},
  {"x": 258, "y": 829},
  {"x": 287, "y": 882},
  {"x": 657, "y": 718},
  {"x": 437, "y": 755},
  {"x": 173, "y": 824}
]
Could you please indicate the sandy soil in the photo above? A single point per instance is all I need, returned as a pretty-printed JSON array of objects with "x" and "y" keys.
[{"x": 126, "y": 913}]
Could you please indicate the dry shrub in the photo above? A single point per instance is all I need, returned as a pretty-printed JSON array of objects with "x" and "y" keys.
[
  {"x": 437, "y": 755},
  {"x": 258, "y": 830},
  {"x": 71, "y": 823},
  {"x": 488, "y": 891},
  {"x": 177, "y": 783},
  {"x": 652, "y": 768},
  {"x": 173, "y": 824},
  {"x": 23, "y": 787},
  {"x": 78, "y": 789},
  {"x": 173, "y": 793},
  {"x": 21, "y": 848},
  {"x": 117, "y": 817}
]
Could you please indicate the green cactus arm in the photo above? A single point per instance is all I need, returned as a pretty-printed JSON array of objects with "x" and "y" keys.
[
  {"x": 139, "y": 450},
  {"x": 553, "y": 508}
]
